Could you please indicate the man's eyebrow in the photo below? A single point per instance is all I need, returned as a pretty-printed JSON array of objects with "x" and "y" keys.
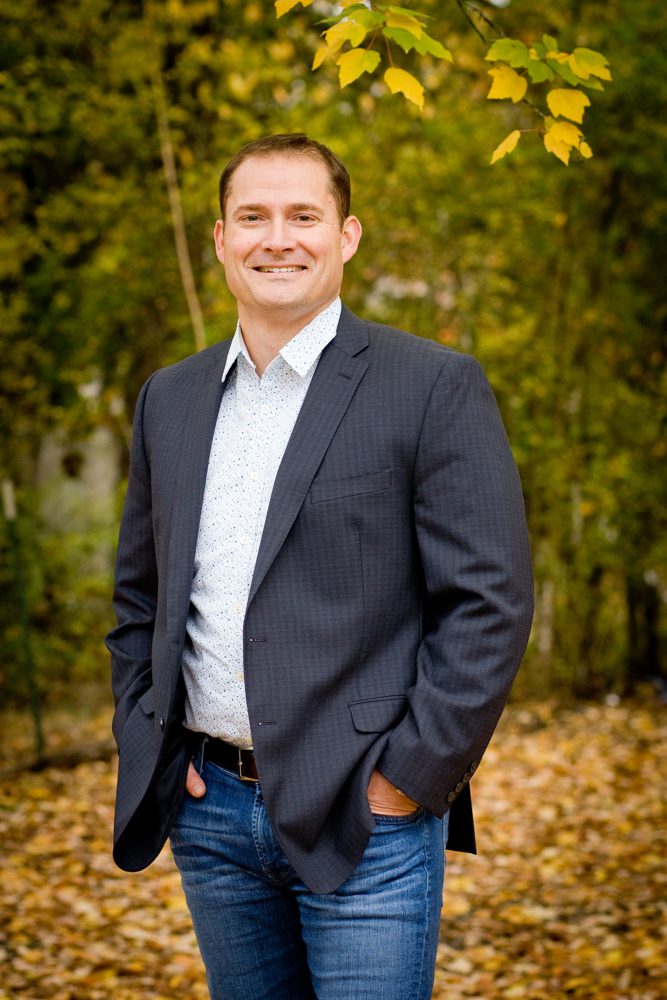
[{"x": 297, "y": 207}]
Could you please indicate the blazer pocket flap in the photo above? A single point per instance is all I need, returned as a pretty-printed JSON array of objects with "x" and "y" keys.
[
  {"x": 337, "y": 489},
  {"x": 147, "y": 702},
  {"x": 377, "y": 715}
]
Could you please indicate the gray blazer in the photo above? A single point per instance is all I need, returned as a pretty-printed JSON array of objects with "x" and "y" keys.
[{"x": 389, "y": 609}]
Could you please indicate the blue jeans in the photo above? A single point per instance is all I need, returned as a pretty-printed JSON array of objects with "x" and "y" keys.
[{"x": 264, "y": 936}]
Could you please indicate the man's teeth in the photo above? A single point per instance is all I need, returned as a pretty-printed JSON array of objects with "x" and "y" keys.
[{"x": 278, "y": 270}]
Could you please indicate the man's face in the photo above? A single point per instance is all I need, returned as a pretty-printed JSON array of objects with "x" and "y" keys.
[{"x": 281, "y": 244}]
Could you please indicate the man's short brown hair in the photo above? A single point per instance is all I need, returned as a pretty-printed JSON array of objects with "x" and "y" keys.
[{"x": 293, "y": 144}]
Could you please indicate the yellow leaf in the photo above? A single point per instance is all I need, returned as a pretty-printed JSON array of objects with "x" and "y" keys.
[
  {"x": 568, "y": 103},
  {"x": 345, "y": 31},
  {"x": 352, "y": 64},
  {"x": 566, "y": 132},
  {"x": 585, "y": 150},
  {"x": 399, "y": 81},
  {"x": 285, "y": 6},
  {"x": 586, "y": 63},
  {"x": 320, "y": 55},
  {"x": 506, "y": 146},
  {"x": 506, "y": 83},
  {"x": 559, "y": 149},
  {"x": 396, "y": 19}
]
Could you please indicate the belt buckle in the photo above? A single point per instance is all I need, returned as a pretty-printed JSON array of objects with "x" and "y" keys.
[{"x": 242, "y": 776}]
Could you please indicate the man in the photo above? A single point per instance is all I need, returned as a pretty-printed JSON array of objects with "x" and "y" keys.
[{"x": 323, "y": 593}]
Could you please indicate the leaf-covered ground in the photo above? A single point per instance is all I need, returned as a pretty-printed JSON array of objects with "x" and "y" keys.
[{"x": 568, "y": 897}]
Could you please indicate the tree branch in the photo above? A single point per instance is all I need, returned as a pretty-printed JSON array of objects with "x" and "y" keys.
[{"x": 173, "y": 192}]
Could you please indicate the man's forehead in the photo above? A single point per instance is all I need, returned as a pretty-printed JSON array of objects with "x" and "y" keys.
[{"x": 277, "y": 172}]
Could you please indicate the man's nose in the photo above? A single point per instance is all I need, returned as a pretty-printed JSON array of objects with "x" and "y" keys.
[{"x": 278, "y": 236}]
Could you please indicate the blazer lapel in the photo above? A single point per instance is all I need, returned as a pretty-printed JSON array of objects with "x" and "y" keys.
[
  {"x": 205, "y": 392},
  {"x": 334, "y": 383}
]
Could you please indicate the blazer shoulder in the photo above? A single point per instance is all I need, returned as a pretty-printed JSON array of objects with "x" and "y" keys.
[
  {"x": 192, "y": 367},
  {"x": 416, "y": 352},
  {"x": 187, "y": 373}
]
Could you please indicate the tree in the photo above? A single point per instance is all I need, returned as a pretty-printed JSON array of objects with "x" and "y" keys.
[
  {"x": 372, "y": 30},
  {"x": 547, "y": 274}
]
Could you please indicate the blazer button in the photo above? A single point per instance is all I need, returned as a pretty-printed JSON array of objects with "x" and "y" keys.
[
  {"x": 451, "y": 796},
  {"x": 473, "y": 767},
  {"x": 161, "y": 723},
  {"x": 459, "y": 787}
]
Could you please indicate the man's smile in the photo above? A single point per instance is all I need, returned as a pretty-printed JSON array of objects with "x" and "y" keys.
[{"x": 279, "y": 268}]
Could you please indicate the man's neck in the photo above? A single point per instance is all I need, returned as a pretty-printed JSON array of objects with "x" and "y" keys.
[{"x": 265, "y": 336}]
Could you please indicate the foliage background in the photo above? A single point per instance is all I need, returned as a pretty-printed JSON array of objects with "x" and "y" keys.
[{"x": 552, "y": 276}]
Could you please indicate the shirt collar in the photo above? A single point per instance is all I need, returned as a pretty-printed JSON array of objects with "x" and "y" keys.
[
  {"x": 236, "y": 347},
  {"x": 305, "y": 347}
]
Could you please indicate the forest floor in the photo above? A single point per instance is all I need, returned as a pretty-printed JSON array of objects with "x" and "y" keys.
[{"x": 568, "y": 897}]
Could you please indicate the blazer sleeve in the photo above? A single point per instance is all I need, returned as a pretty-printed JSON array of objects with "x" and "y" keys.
[
  {"x": 135, "y": 589},
  {"x": 473, "y": 542}
]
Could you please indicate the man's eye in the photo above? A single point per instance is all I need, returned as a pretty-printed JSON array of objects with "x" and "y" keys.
[
  {"x": 305, "y": 218},
  {"x": 250, "y": 218}
]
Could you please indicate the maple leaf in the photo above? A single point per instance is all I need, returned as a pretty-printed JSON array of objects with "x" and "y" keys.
[
  {"x": 285, "y": 6},
  {"x": 568, "y": 103},
  {"x": 399, "y": 81},
  {"x": 509, "y": 50},
  {"x": 400, "y": 19},
  {"x": 506, "y": 83},
  {"x": 352, "y": 64},
  {"x": 586, "y": 63},
  {"x": 559, "y": 149},
  {"x": 506, "y": 146},
  {"x": 566, "y": 132}
]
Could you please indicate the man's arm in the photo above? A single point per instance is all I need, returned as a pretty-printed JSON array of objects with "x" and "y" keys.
[
  {"x": 472, "y": 537},
  {"x": 135, "y": 590}
]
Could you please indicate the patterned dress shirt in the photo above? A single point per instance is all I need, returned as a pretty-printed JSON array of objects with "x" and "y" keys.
[{"x": 255, "y": 421}]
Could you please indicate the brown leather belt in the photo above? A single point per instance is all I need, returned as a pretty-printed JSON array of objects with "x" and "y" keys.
[{"x": 240, "y": 762}]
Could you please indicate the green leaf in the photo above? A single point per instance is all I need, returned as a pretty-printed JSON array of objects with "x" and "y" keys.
[
  {"x": 431, "y": 46},
  {"x": 550, "y": 43},
  {"x": 406, "y": 10},
  {"x": 506, "y": 146},
  {"x": 590, "y": 84},
  {"x": 399, "y": 81},
  {"x": 539, "y": 71},
  {"x": 540, "y": 50},
  {"x": 352, "y": 64},
  {"x": 506, "y": 83},
  {"x": 568, "y": 103},
  {"x": 509, "y": 50},
  {"x": 362, "y": 15},
  {"x": 564, "y": 72},
  {"x": 405, "y": 39}
]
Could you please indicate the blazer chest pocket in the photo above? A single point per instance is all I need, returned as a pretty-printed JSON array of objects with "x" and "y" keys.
[
  {"x": 352, "y": 486},
  {"x": 377, "y": 715}
]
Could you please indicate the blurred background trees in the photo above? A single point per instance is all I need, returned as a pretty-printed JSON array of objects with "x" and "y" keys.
[{"x": 550, "y": 275}]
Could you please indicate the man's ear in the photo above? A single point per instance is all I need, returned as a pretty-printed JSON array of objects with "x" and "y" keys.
[
  {"x": 350, "y": 236},
  {"x": 218, "y": 235}
]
